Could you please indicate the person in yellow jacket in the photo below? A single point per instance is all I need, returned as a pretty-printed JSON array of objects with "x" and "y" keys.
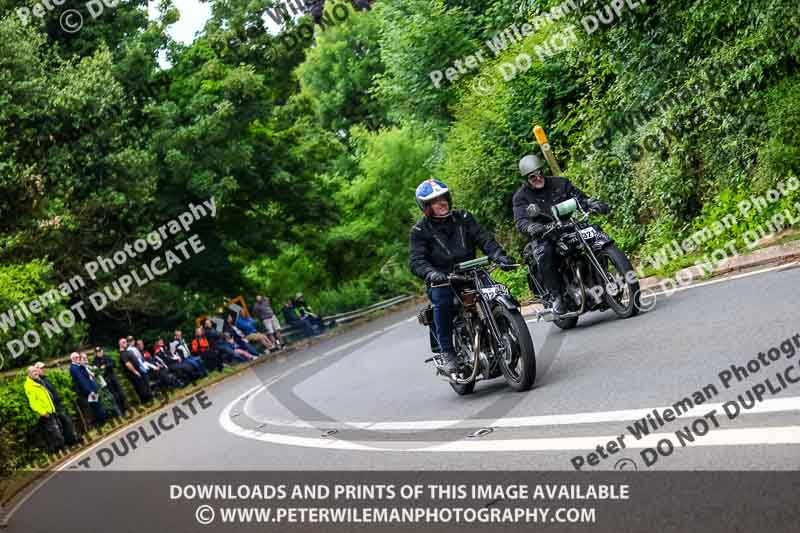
[{"x": 42, "y": 404}]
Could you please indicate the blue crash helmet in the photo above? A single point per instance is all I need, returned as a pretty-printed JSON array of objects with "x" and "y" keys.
[{"x": 431, "y": 189}]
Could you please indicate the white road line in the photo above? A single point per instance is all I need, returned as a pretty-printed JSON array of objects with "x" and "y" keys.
[
  {"x": 715, "y": 437},
  {"x": 774, "y": 405}
]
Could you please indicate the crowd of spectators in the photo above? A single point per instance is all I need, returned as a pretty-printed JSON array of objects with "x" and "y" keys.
[{"x": 166, "y": 367}]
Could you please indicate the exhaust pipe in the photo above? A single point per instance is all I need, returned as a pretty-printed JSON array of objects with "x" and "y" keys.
[{"x": 476, "y": 346}]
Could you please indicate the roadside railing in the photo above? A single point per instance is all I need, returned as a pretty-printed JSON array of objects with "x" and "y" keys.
[{"x": 291, "y": 333}]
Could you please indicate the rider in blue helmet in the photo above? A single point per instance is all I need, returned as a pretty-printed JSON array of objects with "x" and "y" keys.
[{"x": 441, "y": 239}]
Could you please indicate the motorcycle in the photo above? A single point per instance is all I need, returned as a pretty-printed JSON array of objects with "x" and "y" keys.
[
  {"x": 489, "y": 334},
  {"x": 596, "y": 274}
]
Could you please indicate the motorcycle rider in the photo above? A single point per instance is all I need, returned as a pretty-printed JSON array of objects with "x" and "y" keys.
[
  {"x": 545, "y": 192},
  {"x": 442, "y": 238}
]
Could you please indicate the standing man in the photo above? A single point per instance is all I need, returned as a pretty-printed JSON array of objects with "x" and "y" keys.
[
  {"x": 441, "y": 239},
  {"x": 106, "y": 365},
  {"x": 545, "y": 192},
  {"x": 264, "y": 312},
  {"x": 67, "y": 428},
  {"x": 42, "y": 404},
  {"x": 86, "y": 387},
  {"x": 135, "y": 371}
]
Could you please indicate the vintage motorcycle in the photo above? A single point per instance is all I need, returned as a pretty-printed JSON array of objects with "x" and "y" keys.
[
  {"x": 596, "y": 274},
  {"x": 489, "y": 334}
]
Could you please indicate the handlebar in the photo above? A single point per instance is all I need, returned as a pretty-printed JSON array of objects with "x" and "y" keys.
[{"x": 461, "y": 278}]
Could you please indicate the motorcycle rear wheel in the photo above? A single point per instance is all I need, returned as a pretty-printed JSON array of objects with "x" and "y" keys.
[{"x": 521, "y": 373}]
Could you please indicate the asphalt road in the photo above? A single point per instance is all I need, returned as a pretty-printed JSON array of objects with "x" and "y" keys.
[{"x": 365, "y": 400}]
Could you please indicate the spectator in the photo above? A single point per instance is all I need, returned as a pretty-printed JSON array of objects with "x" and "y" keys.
[
  {"x": 239, "y": 354},
  {"x": 42, "y": 404},
  {"x": 263, "y": 311},
  {"x": 305, "y": 313},
  {"x": 179, "y": 348},
  {"x": 65, "y": 421},
  {"x": 106, "y": 366},
  {"x": 184, "y": 371},
  {"x": 107, "y": 400},
  {"x": 86, "y": 387},
  {"x": 135, "y": 371},
  {"x": 141, "y": 349},
  {"x": 247, "y": 326},
  {"x": 238, "y": 336},
  {"x": 294, "y": 320},
  {"x": 159, "y": 370},
  {"x": 136, "y": 352},
  {"x": 201, "y": 348},
  {"x": 224, "y": 350}
]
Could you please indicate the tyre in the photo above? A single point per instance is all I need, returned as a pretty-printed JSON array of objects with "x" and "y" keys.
[
  {"x": 566, "y": 323},
  {"x": 518, "y": 359},
  {"x": 626, "y": 302}
]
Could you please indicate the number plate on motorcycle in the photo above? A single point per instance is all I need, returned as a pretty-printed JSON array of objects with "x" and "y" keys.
[{"x": 588, "y": 233}]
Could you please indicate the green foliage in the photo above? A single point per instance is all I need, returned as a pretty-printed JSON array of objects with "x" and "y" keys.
[
  {"x": 23, "y": 283},
  {"x": 418, "y": 37},
  {"x": 338, "y": 72},
  {"x": 20, "y": 422}
]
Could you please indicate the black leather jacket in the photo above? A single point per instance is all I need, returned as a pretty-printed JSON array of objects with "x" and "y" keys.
[
  {"x": 438, "y": 245},
  {"x": 555, "y": 190}
]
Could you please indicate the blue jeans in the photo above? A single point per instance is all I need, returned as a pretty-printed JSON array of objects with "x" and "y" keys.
[{"x": 443, "y": 314}]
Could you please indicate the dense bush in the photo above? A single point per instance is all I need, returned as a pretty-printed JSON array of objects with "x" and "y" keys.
[{"x": 20, "y": 422}]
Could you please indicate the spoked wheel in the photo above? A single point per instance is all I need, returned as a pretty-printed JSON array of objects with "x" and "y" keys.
[
  {"x": 464, "y": 349},
  {"x": 621, "y": 296},
  {"x": 517, "y": 357}
]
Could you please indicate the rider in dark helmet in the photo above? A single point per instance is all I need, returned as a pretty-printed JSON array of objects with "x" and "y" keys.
[
  {"x": 546, "y": 191},
  {"x": 439, "y": 240}
]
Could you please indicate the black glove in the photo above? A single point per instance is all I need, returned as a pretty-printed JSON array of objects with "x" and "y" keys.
[
  {"x": 537, "y": 229},
  {"x": 505, "y": 261},
  {"x": 434, "y": 277},
  {"x": 596, "y": 206}
]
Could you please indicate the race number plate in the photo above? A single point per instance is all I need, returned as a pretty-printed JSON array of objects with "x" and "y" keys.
[{"x": 588, "y": 233}]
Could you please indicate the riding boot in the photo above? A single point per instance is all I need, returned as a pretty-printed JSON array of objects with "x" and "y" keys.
[{"x": 450, "y": 362}]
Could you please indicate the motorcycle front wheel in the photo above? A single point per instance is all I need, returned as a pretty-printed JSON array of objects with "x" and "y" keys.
[
  {"x": 517, "y": 357},
  {"x": 625, "y": 301}
]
